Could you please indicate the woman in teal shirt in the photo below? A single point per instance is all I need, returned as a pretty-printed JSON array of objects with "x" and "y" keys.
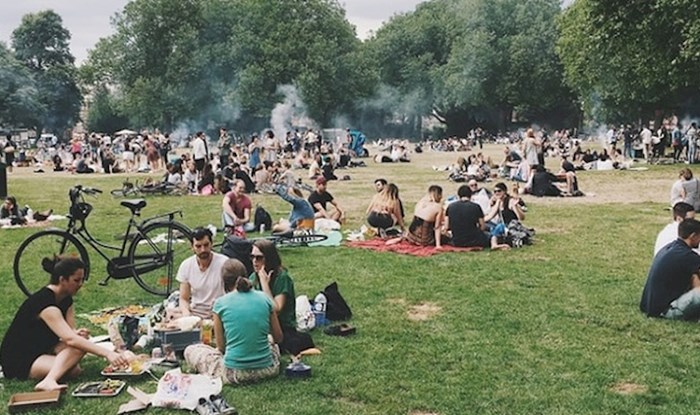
[{"x": 243, "y": 318}]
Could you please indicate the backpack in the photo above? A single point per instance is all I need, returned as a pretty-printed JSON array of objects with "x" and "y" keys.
[
  {"x": 239, "y": 249},
  {"x": 262, "y": 217},
  {"x": 518, "y": 235},
  {"x": 336, "y": 307}
]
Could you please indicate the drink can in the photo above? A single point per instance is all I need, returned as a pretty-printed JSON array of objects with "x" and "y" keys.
[{"x": 156, "y": 353}]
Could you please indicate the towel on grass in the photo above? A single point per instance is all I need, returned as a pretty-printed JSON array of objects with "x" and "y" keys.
[{"x": 407, "y": 248}]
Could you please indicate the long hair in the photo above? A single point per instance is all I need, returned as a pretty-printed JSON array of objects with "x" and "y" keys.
[
  {"x": 273, "y": 262},
  {"x": 233, "y": 274},
  {"x": 435, "y": 193}
]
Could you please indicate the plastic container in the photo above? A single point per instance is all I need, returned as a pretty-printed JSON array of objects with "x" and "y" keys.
[
  {"x": 262, "y": 228},
  {"x": 30, "y": 213},
  {"x": 320, "y": 304}
]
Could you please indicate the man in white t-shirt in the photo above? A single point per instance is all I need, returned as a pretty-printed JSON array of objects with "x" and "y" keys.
[
  {"x": 669, "y": 233},
  {"x": 200, "y": 277},
  {"x": 199, "y": 151}
]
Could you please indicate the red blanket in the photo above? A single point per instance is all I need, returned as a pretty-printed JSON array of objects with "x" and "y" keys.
[{"x": 407, "y": 248}]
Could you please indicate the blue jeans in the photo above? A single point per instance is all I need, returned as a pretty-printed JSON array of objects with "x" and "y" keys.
[{"x": 685, "y": 307}]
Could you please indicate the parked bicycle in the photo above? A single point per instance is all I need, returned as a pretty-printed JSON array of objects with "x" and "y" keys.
[{"x": 150, "y": 254}]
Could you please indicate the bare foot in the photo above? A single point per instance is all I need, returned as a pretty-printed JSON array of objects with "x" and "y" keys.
[
  {"x": 500, "y": 247},
  {"x": 49, "y": 385}
]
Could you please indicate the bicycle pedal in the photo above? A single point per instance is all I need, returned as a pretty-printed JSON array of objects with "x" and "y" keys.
[{"x": 102, "y": 283}]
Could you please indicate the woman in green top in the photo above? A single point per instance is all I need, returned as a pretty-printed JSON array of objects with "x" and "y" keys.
[
  {"x": 243, "y": 318},
  {"x": 272, "y": 278}
]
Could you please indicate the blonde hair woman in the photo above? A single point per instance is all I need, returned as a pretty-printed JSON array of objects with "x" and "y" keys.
[{"x": 384, "y": 211}]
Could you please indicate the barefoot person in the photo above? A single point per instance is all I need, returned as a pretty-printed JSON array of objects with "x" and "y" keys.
[
  {"x": 42, "y": 341},
  {"x": 425, "y": 229}
]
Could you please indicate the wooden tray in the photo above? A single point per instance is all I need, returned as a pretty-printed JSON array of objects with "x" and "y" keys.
[{"x": 32, "y": 400}]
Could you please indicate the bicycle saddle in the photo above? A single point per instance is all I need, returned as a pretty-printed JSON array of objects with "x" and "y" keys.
[{"x": 134, "y": 205}]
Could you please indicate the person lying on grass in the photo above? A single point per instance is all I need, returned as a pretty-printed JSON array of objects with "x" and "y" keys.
[
  {"x": 672, "y": 289},
  {"x": 243, "y": 319},
  {"x": 42, "y": 341}
]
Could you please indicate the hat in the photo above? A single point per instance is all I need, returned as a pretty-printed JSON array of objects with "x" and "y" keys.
[{"x": 321, "y": 180}]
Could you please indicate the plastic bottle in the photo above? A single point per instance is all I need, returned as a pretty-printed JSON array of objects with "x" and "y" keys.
[
  {"x": 262, "y": 228},
  {"x": 30, "y": 213},
  {"x": 320, "y": 303}
]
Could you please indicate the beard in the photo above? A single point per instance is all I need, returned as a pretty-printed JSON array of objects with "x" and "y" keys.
[{"x": 204, "y": 255}]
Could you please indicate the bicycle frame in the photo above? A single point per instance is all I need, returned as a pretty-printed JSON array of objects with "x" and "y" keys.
[{"x": 117, "y": 266}]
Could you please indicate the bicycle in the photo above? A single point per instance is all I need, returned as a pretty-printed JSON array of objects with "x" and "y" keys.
[
  {"x": 158, "y": 245},
  {"x": 148, "y": 188}
]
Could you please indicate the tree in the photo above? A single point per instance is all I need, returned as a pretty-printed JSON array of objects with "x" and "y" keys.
[
  {"x": 473, "y": 62},
  {"x": 41, "y": 44},
  {"x": 633, "y": 59},
  {"x": 19, "y": 98},
  {"x": 103, "y": 114}
]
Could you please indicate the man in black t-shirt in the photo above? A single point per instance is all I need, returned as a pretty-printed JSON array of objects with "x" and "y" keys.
[
  {"x": 466, "y": 221},
  {"x": 672, "y": 289},
  {"x": 319, "y": 200}
]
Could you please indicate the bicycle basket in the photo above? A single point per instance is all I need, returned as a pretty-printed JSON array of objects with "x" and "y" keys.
[{"x": 80, "y": 211}]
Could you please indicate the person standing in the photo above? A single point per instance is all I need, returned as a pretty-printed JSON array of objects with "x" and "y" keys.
[
  {"x": 9, "y": 150},
  {"x": 200, "y": 152},
  {"x": 224, "y": 144}
]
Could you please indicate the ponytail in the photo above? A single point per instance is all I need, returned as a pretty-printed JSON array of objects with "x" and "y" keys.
[
  {"x": 61, "y": 267},
  {"x": 243, "y": 285}
]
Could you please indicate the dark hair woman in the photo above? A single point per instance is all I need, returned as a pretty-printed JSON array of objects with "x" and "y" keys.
[
  {"x": 272, "y": 278},
  {"x": 243, "y": 318},
  {"x": 42, "y": 341}
]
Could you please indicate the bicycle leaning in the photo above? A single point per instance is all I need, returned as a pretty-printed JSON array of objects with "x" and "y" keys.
[{"x": 150, "y": 255}]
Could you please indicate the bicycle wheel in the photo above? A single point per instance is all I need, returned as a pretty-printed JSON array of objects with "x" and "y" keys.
[
  {"x": 29, "y": 274},
  {"x": 156, "y": 252},
  {"x": 301, "y": 240}
]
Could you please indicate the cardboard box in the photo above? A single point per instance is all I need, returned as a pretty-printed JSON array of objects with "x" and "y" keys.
[
  {"x": 33, "y": 400},
  {"x": 178, "y": 339}
]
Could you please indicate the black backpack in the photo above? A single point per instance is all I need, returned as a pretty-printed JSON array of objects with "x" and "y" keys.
[
  {"x": 262, "y": 217},
  {"x": 336, "y": 307},
  {"x": 238, "y": 248}
]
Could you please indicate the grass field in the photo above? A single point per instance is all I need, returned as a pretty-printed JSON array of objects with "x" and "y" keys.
[{"x": 552, "y": 328}]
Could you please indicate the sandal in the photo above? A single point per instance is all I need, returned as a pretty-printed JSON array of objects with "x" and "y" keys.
[
  {"x": 343, "y": 330},
  {"x": 223, "y": 406}
]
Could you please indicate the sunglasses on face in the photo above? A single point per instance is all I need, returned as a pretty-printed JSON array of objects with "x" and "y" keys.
[
  {"x": 257, "y": 257},
  {"x": 498, "y": 191}
]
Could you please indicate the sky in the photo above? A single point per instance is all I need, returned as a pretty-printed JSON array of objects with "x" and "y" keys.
[{"x": 88, "y": 20}]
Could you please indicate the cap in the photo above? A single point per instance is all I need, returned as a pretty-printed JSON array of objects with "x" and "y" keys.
[{"x": 321, "y": 180}]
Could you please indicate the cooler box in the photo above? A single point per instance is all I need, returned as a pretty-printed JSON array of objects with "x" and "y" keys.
[{"x": 179, "y": 339}]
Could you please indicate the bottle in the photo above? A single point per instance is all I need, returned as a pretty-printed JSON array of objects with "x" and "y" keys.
[
  {"x": 262, "y": 228},
  {"x": 207, "y": 331},
  {"x": 30, "y": 212},
  {"x": 320, "y": 303}
]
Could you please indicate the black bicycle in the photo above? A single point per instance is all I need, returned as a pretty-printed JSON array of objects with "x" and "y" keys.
[{"x": 150, "y": 254}]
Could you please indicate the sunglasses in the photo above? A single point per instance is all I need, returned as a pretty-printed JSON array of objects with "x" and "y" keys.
[
  {"x": 498, "y": 191},
  {"x": 257, "y": 257}
]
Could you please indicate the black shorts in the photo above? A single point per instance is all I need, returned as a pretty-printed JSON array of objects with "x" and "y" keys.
[
  {"x": 199, "y": 164},
  {"x": 380, "y": 220}
]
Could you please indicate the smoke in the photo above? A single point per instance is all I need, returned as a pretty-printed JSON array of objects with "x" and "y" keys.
[
  {"x": 226, "y": 107},
  {"x": 290, "y": 113}
]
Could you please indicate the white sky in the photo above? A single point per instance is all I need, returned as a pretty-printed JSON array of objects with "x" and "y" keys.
[{"x": 88, "y": 20}]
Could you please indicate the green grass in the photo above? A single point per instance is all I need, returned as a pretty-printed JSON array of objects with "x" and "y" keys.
[{"x": 547, "y": 329}]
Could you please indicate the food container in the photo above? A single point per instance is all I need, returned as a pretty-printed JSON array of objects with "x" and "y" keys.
[
  {"x": 298, "y": 370},
  {"x": 20, "y": 402},
  {"x": 178, "y": 339},
  {"x": 105, "y": 388}
]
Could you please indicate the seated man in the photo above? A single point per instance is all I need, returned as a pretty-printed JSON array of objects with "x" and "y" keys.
[
  {"x": 319, "y": 200},
  {"x": 236, "y": 207},
  {"x": 465, "y": 220},
  {"x": 669, "y": 233},
  {"x": 672, "y": 289},
  {"x": 199, "y": 277}
]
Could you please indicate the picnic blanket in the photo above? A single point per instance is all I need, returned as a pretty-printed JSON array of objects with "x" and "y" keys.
[
  {"x": 407, "y": 248},
  {"x": 6, "y": 223}
]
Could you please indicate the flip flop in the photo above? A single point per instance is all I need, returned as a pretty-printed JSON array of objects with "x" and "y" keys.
[{"x": 343, "y": 330}]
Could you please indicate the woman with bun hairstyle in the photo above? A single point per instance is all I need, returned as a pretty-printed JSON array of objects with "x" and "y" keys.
[
  {"x": 243, "y": 318},
  {"x": 42, "y": 341}
]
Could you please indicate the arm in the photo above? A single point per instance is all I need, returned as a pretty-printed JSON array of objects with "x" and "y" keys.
[
  {"x": 515, "y": 207},
  {"x": 70, "y": 319},
  {"x": 226, "y": 206},
  {"x": 246, "y": 216},
  {"x": 337, "y": 207},
  {"x": 438, "y": 228},
  {"x": 494, "y": 211},
  {"x": 275, "y": 328},
  {"x": 319, "y": 208},
  {"x": 280, "y": 299},
  {"x": 54, "y": 320},
  {"x": 185, "y": 294},
  {"x": 219, "y": 334}
]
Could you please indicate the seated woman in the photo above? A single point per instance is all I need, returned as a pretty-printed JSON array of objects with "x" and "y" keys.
[
  {"x": 425, "y": 229},
  {"x": 205, "y": 186},
  {"x": 11, "y": 211},
  {"x": 504, "y": 209},
  {"x": 301, "y": 209},
  {"x": 272, "y": 278},
  {"x": 42, "y": 341},
  {"x": 543, "y": 183},
  {"x": 243, "y": 318},
  {"x": 384, "y": 211}
]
